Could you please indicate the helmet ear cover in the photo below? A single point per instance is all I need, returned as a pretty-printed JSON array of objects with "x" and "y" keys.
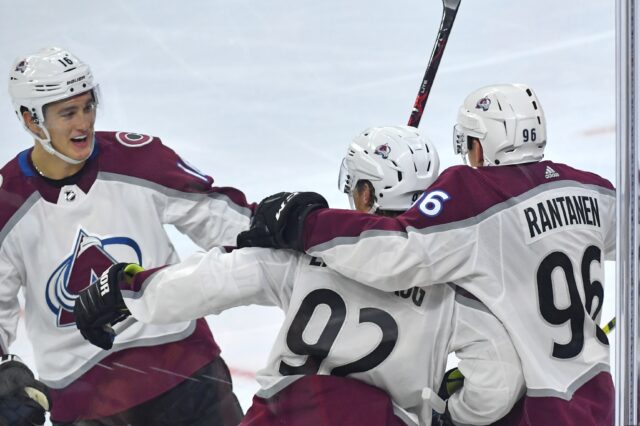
[
  {"x": 396, "y": 161},
  {"x": 509, "y": 122}
]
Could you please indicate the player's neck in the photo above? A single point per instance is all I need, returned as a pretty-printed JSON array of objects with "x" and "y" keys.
[{"x": 50, "y": 166}]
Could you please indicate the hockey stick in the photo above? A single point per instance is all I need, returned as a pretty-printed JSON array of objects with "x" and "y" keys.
[
  {"x": 448, "y": 16},
  {"x": 609, "y": 326}
]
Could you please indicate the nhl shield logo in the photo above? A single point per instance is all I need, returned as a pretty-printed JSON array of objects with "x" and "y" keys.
[
  {"x": 90, "y": 257},
  {"x": 383, "y": 151},
  {"x": 484, "y": 104}
]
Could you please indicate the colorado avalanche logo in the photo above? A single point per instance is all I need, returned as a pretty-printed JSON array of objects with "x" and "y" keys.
[
  {"x": 484, "y": 104},
  {"x": 89, "y": 259},
  {"x": 383, "y": 151},
  {"x": 21, "y": 67},
  {"x": 133, "y": 140}
]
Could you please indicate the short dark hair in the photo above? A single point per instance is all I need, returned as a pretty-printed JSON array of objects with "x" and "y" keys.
[
  {"x": 363, "y": 183},
  {"x": 469, "y": 143}
]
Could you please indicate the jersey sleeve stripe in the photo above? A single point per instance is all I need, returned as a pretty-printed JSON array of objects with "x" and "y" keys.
[
  {"x": 17, "y": 216},
  {"x": 467, "y": 299},
  {"x": 170, "y": 192},
  {"x": 330, "y": 229}
]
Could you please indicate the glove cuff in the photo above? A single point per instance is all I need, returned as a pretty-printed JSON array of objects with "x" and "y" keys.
[
  {"x": 9, "y": 357},
  {"x": 296, "y": 238}
]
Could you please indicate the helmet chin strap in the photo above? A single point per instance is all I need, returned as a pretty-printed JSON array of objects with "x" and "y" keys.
[{"x": 48, "y": 147}]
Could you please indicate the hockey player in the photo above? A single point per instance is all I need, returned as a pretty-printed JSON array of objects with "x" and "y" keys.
[
  {"x": 336, "y": 330},
  {"x": 63, "y": 221},
  {"x": 527, "y": 237}
]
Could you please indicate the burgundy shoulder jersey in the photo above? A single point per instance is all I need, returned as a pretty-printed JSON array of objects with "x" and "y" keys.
[
  {"x": 528, "y": 240},
  {"x": 57, "y": 238}
]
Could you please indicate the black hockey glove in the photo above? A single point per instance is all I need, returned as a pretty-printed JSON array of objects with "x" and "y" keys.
[
  {"x": 279, "y": 220},
  {"x": 100, "y": 306},
  {"x": 23, "y": 399}
]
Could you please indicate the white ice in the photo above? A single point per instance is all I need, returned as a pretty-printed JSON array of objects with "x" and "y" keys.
[{"x": 266, "y": 95}]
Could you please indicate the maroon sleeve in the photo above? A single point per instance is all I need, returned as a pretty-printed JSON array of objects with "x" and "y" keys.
[
  {"x": 149, "y": 159},
  {"x": 462, "y": 192}
]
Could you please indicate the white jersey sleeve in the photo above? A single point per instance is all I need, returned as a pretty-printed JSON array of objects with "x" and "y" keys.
[
  {"x": 9, "y": 305},
  {"x": 211, "y": 282},
  {"x": 186, "y": 198},
  {"x": 489, "y": 362},
  {"x": 210, "y": 220}
]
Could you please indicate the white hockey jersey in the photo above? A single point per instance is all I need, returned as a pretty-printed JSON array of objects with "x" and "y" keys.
[
  {"x": 395, "y": 341},
  {"x": 529, "y": 241},
  {"x": 54, "y": 241}
]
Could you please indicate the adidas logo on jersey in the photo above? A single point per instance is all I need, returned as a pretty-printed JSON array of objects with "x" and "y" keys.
[{"x": 550, "y": 173}]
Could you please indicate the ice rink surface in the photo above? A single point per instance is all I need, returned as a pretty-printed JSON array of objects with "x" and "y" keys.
[{"x": 266, "y": 95}]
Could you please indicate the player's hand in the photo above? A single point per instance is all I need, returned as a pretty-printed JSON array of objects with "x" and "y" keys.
[
  {"x": 100, "y": 306},
  {"x": 279, "y": 220},
  {"x": 452, "y": 382},
  {"x": 23, "y": 399}
]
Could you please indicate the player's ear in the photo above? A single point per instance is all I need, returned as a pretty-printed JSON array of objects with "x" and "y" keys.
[
  {"x": 364, "y": 196},
  {"x": 370, "y": 196},
  {"x": 33, "y": 127}
]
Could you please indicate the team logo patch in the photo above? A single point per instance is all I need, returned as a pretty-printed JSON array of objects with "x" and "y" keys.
[
  {"x": 133, "y": 140},
  {"x": 383, "y": 151},
  {"x": 90, "y": 257},
  {"x": 21, "y": 67},
  {"x": 484, "y": 104}
]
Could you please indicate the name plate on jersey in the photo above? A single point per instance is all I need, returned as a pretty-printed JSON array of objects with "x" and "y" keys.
[{"x": 556, "y": 211}]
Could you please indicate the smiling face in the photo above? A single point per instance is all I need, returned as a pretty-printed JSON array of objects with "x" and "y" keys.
[{"x": 70, "y": 124}]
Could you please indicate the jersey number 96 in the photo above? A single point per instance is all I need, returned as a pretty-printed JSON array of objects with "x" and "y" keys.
[{"x": 576, "y": 312}]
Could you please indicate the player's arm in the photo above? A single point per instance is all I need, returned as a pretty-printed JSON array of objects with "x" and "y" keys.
[
  {"x": 609, "y": 226},
  {"x": 493, "y": 378},
  {"x": 211, "y": 282},
  {"x": 10, "y": 283},
  {"x": 205, "y": 283},
  {"x": 210, "y": 215},
  {"x": 386, "y": 253},
  {"x": 23, "y": 399}
]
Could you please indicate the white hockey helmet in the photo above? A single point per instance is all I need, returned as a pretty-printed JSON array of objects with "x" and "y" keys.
[
  {"x": 397, "y": 160},
  {"x": 49, "y": 75},
  {"x": 509, "y": 122}
]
